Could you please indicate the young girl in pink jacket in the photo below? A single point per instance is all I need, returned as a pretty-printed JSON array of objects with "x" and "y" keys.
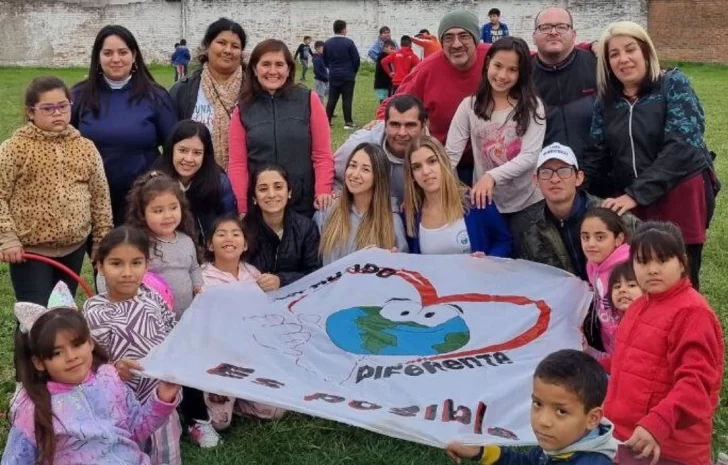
[
  {"x": 225, "y": 248},
  {"x": 604, "y": 238}
]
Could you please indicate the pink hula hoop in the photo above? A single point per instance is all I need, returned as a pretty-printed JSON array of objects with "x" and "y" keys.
[{"x": 64, "y": 268}]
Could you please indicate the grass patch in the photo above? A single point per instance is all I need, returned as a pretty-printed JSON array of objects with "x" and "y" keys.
[{"x": 302, "y": 440}]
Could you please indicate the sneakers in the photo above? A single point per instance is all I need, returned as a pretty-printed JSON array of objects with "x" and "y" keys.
[
  {"x": 203, "y": 434},
  {"x": 350, "y": 126}
]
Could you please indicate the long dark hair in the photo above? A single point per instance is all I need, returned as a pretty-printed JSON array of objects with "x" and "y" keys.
[
  {"x": 40, "y": 343},
  {"x": 523, "y": 92},
  {"x": 142, "y": 83},
  {"x": 214, "y": 30},
  {"x": 122, "y": 235},
  {"x": 204, "y": 189},
  {"x": 251, "y": 86},
  {"x": 147, "y": 187},
  {"x": 659, "y": 241},
  {"x": 254, "y": 226}
]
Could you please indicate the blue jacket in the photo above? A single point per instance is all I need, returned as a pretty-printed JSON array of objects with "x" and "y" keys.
[
  {"x": 206, "y": 215},
  {"x": 376, "y": 49},
  {"x": 342, "y": 58},
  {"x": 487, "y": 230},
  {"x": 181, "y": 56},
  {"x": 485, "y": 32},
  {"x": 127, "y": 135},
  {"x": 319, "y": 68}
]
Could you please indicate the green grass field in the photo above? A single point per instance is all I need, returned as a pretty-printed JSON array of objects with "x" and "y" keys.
[{"x": 302, "y": 440}]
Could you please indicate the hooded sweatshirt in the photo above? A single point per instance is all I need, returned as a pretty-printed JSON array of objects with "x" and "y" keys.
[
  {"x": 598, "y": 447},
  {"x": 609, "y": 317},
  {"x": 53, "y": 192},
  {"x": 403, "y": 60}
]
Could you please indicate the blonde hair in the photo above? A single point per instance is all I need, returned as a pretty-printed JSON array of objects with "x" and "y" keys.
[
  {"x": 454, "y": 199},
  {"x": 377, "y": 227},
  {"x": 606, "y": 80}
]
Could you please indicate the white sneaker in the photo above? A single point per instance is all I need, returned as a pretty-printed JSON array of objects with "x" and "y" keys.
[{"x": 203, "y": 434}]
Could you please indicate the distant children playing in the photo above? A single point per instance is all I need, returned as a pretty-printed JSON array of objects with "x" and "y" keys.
[
  {"x": 114, "y": 317},
  {"x": 566, "y": 416},
  {"x": 667, "y": 366},
  {"x": 303, "y": 53},
  {"x": 403, "y": 62},
  {"x": 320, "y": 72},
  {"x": 382, "y": 74},
  {"x": 605, "y": 241},
  {"x": 73, "y": 407},
  {"x": 180, "y": 59},
  {"x": 53, "y": 193}
]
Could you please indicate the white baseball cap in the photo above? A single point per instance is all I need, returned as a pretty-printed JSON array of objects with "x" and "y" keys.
[{"x": 557, "y": 151}]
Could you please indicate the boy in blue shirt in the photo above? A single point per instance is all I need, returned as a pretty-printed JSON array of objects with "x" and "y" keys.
[
  {"x": 180, "y": 59},
  {"x": 320, "y": 72},
  {"x": 495, "y": 29},
  {"x": 569, "y": 388}
]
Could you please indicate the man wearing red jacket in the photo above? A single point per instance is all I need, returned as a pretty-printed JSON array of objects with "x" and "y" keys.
[{"x": 403, "y": 61}]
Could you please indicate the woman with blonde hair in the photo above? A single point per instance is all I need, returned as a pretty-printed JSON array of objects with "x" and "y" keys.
[
  {"x": 364, "y": 215},
  {"x": 647, "y": 139},
  {"x": 438, "y": 213}
]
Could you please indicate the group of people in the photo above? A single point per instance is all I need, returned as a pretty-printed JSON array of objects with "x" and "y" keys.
[{"x": 590, "y": 161}]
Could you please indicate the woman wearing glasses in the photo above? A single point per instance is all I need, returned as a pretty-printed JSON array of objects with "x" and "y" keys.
[
  {"x": 53, "y": 193},
  {"x": 648, "y": 137},
  {"x": 123, "y": 111}
]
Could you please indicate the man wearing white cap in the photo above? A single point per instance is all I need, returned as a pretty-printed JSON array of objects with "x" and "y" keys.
[{"x": 549, "y": 231}]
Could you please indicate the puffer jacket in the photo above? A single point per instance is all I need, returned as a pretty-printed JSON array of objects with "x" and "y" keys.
[
  {"x": 648, "y": 146},
  {"x": 53, "y": 191},
  {"x": 290, "y": 257},
  {"x": 99, "y": 421},
  {"x": 666, "y": 373}
]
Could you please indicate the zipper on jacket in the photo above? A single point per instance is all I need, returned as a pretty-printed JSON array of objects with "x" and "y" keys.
[
  {"x": 631, "y": 138},
  {"x": 275, "y": 132}
]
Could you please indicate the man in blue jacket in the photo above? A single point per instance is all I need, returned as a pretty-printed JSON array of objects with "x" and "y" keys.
[
  {"x": 342, "y": 59},
  {"x": 494, "y": 29}
]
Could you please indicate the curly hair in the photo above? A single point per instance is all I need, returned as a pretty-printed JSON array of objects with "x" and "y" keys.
[{"x": 146, "y": 188}]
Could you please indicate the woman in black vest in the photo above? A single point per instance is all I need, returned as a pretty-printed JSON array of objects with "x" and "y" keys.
[
  {"x": 280, "y": 122},
  {"x": 282, "y": 244}
]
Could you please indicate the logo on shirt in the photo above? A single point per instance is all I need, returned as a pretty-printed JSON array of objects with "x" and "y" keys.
[{"x": 464, "y": 240}]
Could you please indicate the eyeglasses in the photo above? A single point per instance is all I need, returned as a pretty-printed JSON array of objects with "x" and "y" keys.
[
  {"x": 463, "y": 37},
  {"x": 50, "y": 109},
  {"x": 545, "y": 174},
  {"x": 561, "y": 28}
]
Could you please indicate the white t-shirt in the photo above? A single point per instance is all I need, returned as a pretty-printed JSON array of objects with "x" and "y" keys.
[
  {"x": 447, "y": 240},
  {"x": 204, "y": 112}
]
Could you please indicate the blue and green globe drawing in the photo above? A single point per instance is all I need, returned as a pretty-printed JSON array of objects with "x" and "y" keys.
[{"x": 363, "y": 330}]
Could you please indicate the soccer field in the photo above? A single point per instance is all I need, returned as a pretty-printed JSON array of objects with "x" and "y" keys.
[{"x": 298, "y": 439}]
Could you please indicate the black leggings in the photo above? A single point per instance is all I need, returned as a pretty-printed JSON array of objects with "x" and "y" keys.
[
  {"x": 193, "y": 406},
  {"x": 695, "y": 261}
]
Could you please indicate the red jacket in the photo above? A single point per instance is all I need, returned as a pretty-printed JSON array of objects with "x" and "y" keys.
[
  {"x": 404, "y": 61},
  {"x": 666, "y": 373}
]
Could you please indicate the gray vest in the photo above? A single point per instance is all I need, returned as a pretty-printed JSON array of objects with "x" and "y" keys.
[{"x": 278, "y": 129}]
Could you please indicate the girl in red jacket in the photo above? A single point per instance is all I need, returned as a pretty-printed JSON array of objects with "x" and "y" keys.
[{"x": 667, "y": 367}]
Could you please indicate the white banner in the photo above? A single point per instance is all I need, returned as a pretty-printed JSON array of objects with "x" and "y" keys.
[{"x": 424, "y": 348}]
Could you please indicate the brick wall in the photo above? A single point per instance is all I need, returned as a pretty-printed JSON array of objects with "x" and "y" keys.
[
  {"x": 61, "y": 32},
  {"x": 690, "y": 30}
]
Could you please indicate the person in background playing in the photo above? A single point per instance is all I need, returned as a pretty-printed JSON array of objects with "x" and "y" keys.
[
  {"x": 385, "y": 34},
  {"x": 171, "y": 60},
  {"x": 402, "y": 61},
  {"x": 667, "y": 366},
  {"x": 566, "y": 416},
  {"x": 114, "y": 316},
  {"x": 48, "y": 159},
  {"x": 225, "y": 253},
  {"x": 427, "y": 41},
  {"x": 623, "y": 287},
  {"x": 382, "y": 74},
  {"x": 495, "y": 29},
  {"x": 320, "y": 72},
  {"x": 188, "y": 157},
  {"x": 303, "y": 53},
  {"x": 605, "y": 241},
  {"x": 66, "y": 381},
  {"x": 180, "y": 59}
]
